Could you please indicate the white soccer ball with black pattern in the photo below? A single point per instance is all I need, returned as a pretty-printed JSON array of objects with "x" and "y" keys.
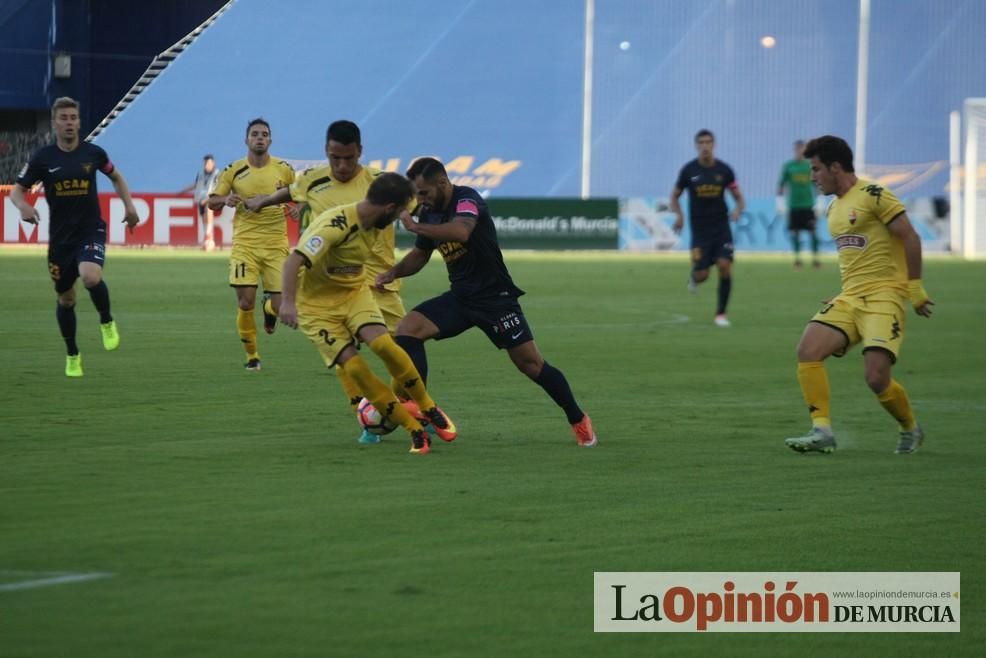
[{"x": 372, "y": 420}]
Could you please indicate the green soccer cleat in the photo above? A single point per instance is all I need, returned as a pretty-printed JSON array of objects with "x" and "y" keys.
[
  {"x": 817, "y": 440},
  {"x": 111, "y": 337},
  {"x": 73, "y": 365},
  {"x": 909, "y": 441}
]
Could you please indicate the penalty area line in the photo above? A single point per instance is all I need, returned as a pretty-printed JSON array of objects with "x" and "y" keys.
[{"x": 59, "y": 578}]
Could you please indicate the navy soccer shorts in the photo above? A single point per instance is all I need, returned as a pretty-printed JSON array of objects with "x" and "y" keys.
[
  {"x": 706, "y": 252},
  {"x": 64, "y": 259},
  {"x": 500, "y": 318}
]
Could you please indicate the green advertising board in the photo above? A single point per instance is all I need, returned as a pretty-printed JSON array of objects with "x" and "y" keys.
[{"x": 549, "y": 224}]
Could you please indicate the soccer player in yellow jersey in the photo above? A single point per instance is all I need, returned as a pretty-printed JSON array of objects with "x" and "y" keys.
[
  {"x": 332, "y": 304},
  {"x": 880, "y": 263},
  {"x": 344, "y": 180},
  {"x": 260, "y": 239}
]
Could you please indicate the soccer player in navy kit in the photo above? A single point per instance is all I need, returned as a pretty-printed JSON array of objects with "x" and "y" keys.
[
  {"x": 707, "y": 180},
  {"x": 455, "y": 221},
  {"x": 77, "y": 234}
]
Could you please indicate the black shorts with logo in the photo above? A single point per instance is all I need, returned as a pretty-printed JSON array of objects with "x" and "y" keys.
[
  {"x": 706, "y": 251},
  {"x": 500, "y": 318},
  {"x": 64, "y": 259},
  {"x": 801, "y": 219}
]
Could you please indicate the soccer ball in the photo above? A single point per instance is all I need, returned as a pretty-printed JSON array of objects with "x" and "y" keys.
[{"x": 372, "y": 420}]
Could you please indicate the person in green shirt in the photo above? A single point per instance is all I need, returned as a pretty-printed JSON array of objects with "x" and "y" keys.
[{"x": 800, "y": 206}]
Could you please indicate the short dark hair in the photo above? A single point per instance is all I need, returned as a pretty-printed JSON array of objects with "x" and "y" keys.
[
  {"x": 829, "y": 149},
  {"x": 344, "y": 132},
  {"x": 390, "y": 187},
  {"x": 704, "y": 132},
  {"x": 427, "y": 168},
  {"x": 207, "y": 157},
  {"x": 63, "y": 103},
  {"x": 254, "y": 122}
]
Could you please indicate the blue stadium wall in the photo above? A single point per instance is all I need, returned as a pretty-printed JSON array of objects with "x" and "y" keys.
[
  {"x": 110, "y": 43},
  {"x": 495, "y": 87}
]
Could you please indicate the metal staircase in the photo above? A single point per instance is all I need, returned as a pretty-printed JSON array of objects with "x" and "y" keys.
[{"x": 158, "y": 65}]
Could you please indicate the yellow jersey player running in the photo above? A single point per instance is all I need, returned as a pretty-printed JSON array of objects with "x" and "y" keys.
[
  {"x": 344, "y": 180},
  {"x": 333, "y": 305},
  {"x": 880, "y": 262},
  {"x": 260, "y": 239}
]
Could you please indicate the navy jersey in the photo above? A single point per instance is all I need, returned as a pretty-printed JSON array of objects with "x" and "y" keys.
[
  {"x": 69, "y": 179},
  {"x": 707, "y": 211},
  {"x": 475, "y": 269}
]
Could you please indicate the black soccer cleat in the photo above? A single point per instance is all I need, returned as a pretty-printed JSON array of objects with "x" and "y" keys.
[
  {"x": 420, "y": 442},
  {"x": 270, "y": 320}
]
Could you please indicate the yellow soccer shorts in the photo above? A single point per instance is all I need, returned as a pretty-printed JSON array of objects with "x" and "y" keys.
[
  {"x": 250, "y": 266},
  {"x": 391, "y": 306},
  {"x": 875, "y": 321},
  {"x": 333, "y": 321}
]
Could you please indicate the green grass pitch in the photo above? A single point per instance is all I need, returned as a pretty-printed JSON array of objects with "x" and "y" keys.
[{"x": 239, "y": 517}]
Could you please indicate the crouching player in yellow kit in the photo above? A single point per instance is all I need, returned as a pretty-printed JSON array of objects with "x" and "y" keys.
[
  {"x": 880, "y": 262},
  {"x": 332, "y": 304},
  {"x": 344, "y": 180}
]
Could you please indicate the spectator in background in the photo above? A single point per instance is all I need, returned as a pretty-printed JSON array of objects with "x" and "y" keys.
[
  {"x": 205, "y": 180},
  {"x": 800, "y": 206},
  {"x": 16, "y": 148}
]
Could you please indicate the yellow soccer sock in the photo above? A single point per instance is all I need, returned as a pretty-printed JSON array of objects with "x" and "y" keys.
[
  {"x": 814, "y": 381},
  {"x": 269, "y": 307},
  {"x": 379, "y": 394},
  {"x": 398, "y": 390},
  {"x": 399, "y": 365},
  {"x": 246, "y": 324},
  {"x": 894, "y": 399},
  {"x": 349, "y": 387}
]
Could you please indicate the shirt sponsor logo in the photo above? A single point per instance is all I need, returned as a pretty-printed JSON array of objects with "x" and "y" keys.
[
  {"x": 850, "y": 241},
  {"x": 345, "y": 269}
]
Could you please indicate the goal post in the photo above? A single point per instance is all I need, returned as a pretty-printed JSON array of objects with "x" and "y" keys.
[{"x": 973, "y": 233}]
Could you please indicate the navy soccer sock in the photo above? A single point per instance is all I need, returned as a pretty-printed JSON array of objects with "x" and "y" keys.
[
  {"x": 554, "y": 384},
  {"x": 100, "y": 296},
  {"x": 725, "y": 287},
  {"x": 415, "y": 348},
  {"x": 66, "y": 323}
]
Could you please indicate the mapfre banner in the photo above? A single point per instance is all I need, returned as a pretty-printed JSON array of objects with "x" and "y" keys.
[{"x": 165, "y": 220}]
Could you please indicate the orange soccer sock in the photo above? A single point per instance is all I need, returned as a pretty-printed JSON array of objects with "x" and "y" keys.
[
  {"x": 814, "y": 381},
  {"x": 246, "y": 324},
  {"x": 379, "y": 394},
  {"x": 894, "y": 399}
]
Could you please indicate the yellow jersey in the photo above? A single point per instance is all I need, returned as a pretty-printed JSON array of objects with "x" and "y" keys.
[
  {"x": 321, "y": 191},
  {"x": 256, "y": 229},
  {"x": 871, "y": 259},
  {"x": 336, "y": 248}
]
